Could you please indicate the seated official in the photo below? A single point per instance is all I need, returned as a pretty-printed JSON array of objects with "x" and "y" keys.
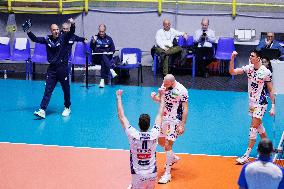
[
  {"x": 164, "y": 41},
  {"x": 204, "y": 37},
  {"x": 270, "y": 43},
  {"x": 103, "y": 46}
]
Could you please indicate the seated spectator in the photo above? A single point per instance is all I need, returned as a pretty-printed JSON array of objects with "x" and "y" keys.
[
  {"x": 270, "y": 43},
  {"x": 204, "y": 37},
  {"x": 262, "y": 173},
  {"x": 164, "y": 41},
  {"x": 103, "y": 45}
]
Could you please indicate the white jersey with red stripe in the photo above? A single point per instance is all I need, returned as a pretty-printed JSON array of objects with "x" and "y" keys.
[
  {"x": 256, "y": 82},
  {"x": 173, "y": 102},
  {"x": 143, "y": 149}
]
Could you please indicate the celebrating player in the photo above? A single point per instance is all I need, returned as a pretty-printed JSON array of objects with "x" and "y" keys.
[
  {"x": 143, "y": 145},
  {"x": 174, "y": 119},
  {"x": 258, "y": 76}
]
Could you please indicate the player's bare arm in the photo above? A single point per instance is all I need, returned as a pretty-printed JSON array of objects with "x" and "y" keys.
[
  {"x": 124, "y": 121},
  {"x": 184, "y": 118},
  {"x": 272, "y": 97},
  {"x": 232, "y": 70},
  {"x": 155, "y": 97},
  {"x": 158, "y": 120}
]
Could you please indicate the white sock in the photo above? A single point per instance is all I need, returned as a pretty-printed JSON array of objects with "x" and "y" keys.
[
  {"x": 169, "y": 159},
  {"x": 113, "y": 74},
  {"x": 248, "y": 152}
]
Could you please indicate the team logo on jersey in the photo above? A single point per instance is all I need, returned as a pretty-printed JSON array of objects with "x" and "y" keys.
[
  {"x": 174, "y": 94},
  {"x": 143, "y": 156}
]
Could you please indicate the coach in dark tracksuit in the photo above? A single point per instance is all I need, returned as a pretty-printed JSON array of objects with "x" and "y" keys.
[
  {"x": 58, "y": 56},
  {"x": 102, "y": 43},
  {"x": 74, "y": 38}
]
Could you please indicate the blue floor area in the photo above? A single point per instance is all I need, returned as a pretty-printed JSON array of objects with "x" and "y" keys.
[{"x": 217, "y": 123}]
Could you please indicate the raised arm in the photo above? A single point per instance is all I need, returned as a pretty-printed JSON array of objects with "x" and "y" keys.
[
  {"x": 272, "y": 97},
  {"x": 232, "y": 70},
  {"x": 93, "y": 42},
  {"x": 69, "y": 34},
  {"x": 156, "y": 97},
  {"x": 80, "y": 39},
  {"x": 123, "y": 120},
  {"x": 35, "y": 38},
  {"x": 158, "y": 120}
]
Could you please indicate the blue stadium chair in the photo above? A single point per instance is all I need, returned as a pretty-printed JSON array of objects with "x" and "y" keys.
[
  {"x": 39, "y": 57},
  {"x": 79, "y": 57},
  {"x": 5, "y": 51},
  {"x": 225, "y": 47},
  {"x": 22, "y": 55},
  {"x": 189, "y": 43},
  {"x": 136, "y": 65}
]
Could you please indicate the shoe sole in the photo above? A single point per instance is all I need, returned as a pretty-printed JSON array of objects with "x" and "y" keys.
[
  {"x": 242, "y": 163},
  {"x": 39, "y": 116},
  {"x": 164, "y": 183}
]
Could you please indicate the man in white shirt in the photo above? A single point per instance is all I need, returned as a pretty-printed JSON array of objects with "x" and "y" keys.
[
  {"x": 143, "y": 145},
  {"x": 174, "y": 119},
  {"x": 258, "y": 77},
  {"x": 164, "y": 41},
  {"x": 204, "y": 37}
]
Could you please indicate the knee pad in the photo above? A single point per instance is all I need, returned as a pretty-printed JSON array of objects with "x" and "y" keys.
[
  {"x": 252, "y": 133},
  {"x": 260, "y": 129}
]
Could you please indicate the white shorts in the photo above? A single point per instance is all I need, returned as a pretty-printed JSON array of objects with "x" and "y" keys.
[
  {"x": 169, "y": 129},
  {"x": 257, "y": 110},
  {"x": 143, "y": 181}
]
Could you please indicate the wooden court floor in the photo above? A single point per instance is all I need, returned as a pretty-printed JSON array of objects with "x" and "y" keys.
[{"x": 53, "y": 167}]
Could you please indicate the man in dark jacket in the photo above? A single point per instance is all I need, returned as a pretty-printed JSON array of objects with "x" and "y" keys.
[
  {"x": 103, "y": 46},
  {"x": 58, "y": 56},
  {"x": 74, "y": 38}
]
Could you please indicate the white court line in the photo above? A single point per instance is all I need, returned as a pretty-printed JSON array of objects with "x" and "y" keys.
[{"x": 109, "y": 149}]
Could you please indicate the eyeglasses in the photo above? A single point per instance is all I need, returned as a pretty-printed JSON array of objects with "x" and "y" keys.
[
  {"x": 252, "y": 55},
  {"x": 270, "y": 36}
]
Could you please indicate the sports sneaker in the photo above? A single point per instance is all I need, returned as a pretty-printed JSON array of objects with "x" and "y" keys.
[
  {"x": 102, "y": 83},
  {"x": 113, "y": 74},
  {"x": 242, "y": 160},
  {"x": 175, "y": 160},
  {"x": 165, "y": 179},
  {"x": 66, "y": 112},
  {"x": 40, "y": 113}
]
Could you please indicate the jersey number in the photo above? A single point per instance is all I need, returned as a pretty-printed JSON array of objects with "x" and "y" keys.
[{"x": 144, "y": 145}]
